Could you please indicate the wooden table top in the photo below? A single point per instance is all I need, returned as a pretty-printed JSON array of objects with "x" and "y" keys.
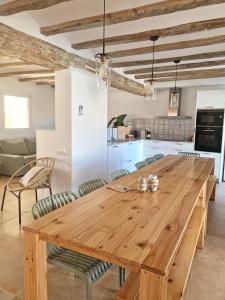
[{"x": 121, "y": 228}]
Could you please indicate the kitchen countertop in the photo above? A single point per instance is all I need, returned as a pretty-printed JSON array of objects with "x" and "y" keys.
[{"x": 129, "y": 141}]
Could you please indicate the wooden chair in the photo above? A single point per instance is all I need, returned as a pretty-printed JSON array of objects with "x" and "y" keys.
[
  {"x": 15, "y": 186},
  {"x": 85, "y": 267},
  {"x": 158, "y": 156},
  {"x": 119, "y": 173},
  {"x": 150, "y": 160},
  {"x": 91, "y": 185},
  {"x": 140, "y": 165},
  {"x": 189, "y": 154}
]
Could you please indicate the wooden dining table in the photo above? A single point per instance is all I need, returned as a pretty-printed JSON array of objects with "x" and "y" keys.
[{"x": 152, "y": 234}]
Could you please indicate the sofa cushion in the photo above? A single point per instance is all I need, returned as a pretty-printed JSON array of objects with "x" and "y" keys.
[
  {"x": 36, "y": 175},
  {"x": 16, "y": 147},
  {"x": 31, "y": 145}
]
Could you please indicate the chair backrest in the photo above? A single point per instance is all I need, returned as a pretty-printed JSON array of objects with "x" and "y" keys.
[
  {"x": 140, "y": 165},
  {"x": 46, "y": 205},
  {"x": 91, "y": 185},
  {"x": 150, "y": 160},
  {"x": 158, "y": 156},
  {"x": 119, "y": 173},
  {"x": 189, "y": 154}
]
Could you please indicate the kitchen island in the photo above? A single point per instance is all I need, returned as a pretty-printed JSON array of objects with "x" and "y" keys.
[{"x": 153, "y": 235}]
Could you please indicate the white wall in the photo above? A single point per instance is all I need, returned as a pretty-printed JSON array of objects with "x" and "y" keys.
[
  {"x": 125, "y": 103},
  {"x": 83, "y": 139},
  {"x": 42, "y": 106},
  {"x": 89, "y": 131}
]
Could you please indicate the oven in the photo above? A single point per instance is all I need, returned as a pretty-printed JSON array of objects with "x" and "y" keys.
[
  {"x": 208, "y": 139},
  {"x": 210, "y": 118}
]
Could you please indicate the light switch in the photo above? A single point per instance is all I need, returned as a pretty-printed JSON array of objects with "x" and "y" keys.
[{"x": 80, "y": 110}]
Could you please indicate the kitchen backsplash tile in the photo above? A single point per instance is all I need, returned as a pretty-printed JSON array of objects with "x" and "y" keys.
[{"x": 178, "y": 129}]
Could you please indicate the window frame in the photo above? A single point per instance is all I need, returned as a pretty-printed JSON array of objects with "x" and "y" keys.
[{"x": 29, "y": 105}]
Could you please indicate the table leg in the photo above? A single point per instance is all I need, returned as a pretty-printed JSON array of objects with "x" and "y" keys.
[
  {"x": 152, "y": 286},
  {"x": 202, "y": 202},
  {"x": 35, "y": 267}
]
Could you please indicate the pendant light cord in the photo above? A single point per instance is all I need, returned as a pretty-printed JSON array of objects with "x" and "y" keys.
[
  {"x": 153, "y": 60},
  {"x": 176, "y": 77},
  {"x": 104, "y": 18}
]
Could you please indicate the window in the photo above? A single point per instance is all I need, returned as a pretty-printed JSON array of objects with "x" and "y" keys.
[{"x": 16, "y": 112}]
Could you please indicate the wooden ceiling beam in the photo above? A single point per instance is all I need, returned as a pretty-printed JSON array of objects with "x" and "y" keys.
[
  {"x": 171, "y": 46},
  {"x": 180, "y": 67},
  {"x": 20, "y": 73},
  {"x": 183, "y": 73},
  {"x": 161, "y": 33},
  {"x": 132, "y": 14},
  {"x": 193, "y": 77},
  {"x": 20, "y": 45},
  {"x": 199, "y": 56},
  {"x": 15, "y": 64},
  {"x": 17, "y": 6},
  {"x": 27, "y": 79}
]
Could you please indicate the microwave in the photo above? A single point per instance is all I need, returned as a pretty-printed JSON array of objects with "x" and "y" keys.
[{"x": 210, "y": 118}]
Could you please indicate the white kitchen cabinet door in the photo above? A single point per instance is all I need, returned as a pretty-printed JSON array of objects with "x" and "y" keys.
[
  {"x": 131, "y": 153},
  {"x": 152, "y": 148},
  {"x": 113, "y": 159}
]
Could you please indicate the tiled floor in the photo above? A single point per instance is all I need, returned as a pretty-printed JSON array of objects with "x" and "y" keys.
[{"x": 207, "y": 279}]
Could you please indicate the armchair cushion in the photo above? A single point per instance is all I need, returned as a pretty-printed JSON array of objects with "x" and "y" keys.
[
  {"x": 15, "y": 147},
  {"x": 35, "y": 176}
]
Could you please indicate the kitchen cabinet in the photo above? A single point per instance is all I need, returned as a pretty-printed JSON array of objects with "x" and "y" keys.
[
  {"x": 124, "y": 156},
  {"x": 218, "y": 162},
  {"x": 113, "y": 159},
  {"x": 152, "y": 148}
]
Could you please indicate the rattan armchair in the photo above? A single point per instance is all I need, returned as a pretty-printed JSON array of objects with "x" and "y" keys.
[{"x": 15, "y": 186}]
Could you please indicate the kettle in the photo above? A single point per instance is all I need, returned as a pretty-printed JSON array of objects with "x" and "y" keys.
[{"x": 148, "y": 134}]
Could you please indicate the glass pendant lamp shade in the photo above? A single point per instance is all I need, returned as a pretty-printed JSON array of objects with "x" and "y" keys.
[
  {"x": 103, "y": 62},
  {"x": 103, "y": 70},
  {"x": 174, "y": 99},
  {"x": 150, "y": 85},
  {"x": 151, "y": 90}
]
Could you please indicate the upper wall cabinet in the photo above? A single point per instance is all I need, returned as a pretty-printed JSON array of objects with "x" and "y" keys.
[{"x": 211, "y": 99}]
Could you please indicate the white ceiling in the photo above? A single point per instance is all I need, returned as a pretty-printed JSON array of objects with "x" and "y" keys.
[{"x": 30, "y": 22}]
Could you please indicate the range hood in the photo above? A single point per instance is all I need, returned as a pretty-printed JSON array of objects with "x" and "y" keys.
[{"x": 174, "y": 112}]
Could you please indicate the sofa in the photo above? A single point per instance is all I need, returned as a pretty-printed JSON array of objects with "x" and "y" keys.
[{"x": 15, "y": 153}]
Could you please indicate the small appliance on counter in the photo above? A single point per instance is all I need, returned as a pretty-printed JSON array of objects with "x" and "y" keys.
[
  {"x": 209, "y": 130},
  {"x": 148, "y": 134}
]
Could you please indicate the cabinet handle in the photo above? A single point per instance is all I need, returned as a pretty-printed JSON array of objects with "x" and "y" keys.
[
  {"x": 129, "y": 160},
  {"x": 179, "y": 150},
  {"x": 130, "y": 144},
  {"x": 115, "y": 146},
  {"x": 179, "y": 144}
]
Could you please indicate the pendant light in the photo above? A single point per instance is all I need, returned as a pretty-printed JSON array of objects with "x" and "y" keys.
[
  {"x": 175, "y": 94},
  {"x": 103, "y": 62},
  {"x": 150, "y": 85}
]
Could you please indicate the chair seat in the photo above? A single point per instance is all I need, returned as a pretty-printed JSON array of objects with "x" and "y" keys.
[
  {"x": 85, "y": 267},
  {"x": 15, "y": 186}
]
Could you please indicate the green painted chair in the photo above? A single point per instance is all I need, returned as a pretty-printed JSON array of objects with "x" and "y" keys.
[
  {"x": 150, "y": 160},
  {"x": 189, "y": 154},
  {"x": 158, "y": 156},
  {"x": 140, "y": 165},
  {"x": 88, "y": 187},
  {"x": 91, "y": 185},
  {"x": 88, "y": 268},
  {"x": 119, "y": 173}
]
